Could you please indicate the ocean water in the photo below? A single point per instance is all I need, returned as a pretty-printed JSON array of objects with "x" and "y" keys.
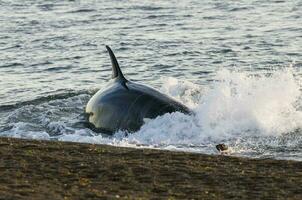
[{"x": 236, "y": 64}]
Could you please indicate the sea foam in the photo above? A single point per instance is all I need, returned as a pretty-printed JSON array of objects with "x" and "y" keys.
[
  {"x": 253, "y": 113},
  {"x": 245, "y": 110}
]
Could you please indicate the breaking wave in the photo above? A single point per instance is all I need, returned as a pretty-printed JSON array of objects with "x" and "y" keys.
[{"x": 257, "y": 115}]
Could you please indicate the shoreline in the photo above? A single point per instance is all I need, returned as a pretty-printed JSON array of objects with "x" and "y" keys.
[{"x": 66, "y": 170}]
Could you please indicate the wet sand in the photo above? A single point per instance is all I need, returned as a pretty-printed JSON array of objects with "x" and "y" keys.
[{"x": 32, "y": 169}]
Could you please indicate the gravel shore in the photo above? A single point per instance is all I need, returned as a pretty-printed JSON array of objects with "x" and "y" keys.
[{"x": 31, "y": 169}]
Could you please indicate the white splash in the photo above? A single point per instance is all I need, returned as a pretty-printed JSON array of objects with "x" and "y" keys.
[
  {"x": 252, "y": 113},
  {"x": 240, "y": 103},
  {"x": 236, "y": 103}
]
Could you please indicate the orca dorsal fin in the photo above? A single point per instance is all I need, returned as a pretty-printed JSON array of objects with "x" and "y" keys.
[{"x": 116, "y": 71}]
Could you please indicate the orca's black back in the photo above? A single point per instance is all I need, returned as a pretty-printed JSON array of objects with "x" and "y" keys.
[
  {"x": 125, "y": 108},
  {"x": 124, "y": 105}
]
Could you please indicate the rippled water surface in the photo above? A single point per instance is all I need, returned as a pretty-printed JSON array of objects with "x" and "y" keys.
[{"x": 237, "y": 64}]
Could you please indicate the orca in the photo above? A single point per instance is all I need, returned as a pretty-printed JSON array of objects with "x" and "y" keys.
[{"x": 125, "y": 105}]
